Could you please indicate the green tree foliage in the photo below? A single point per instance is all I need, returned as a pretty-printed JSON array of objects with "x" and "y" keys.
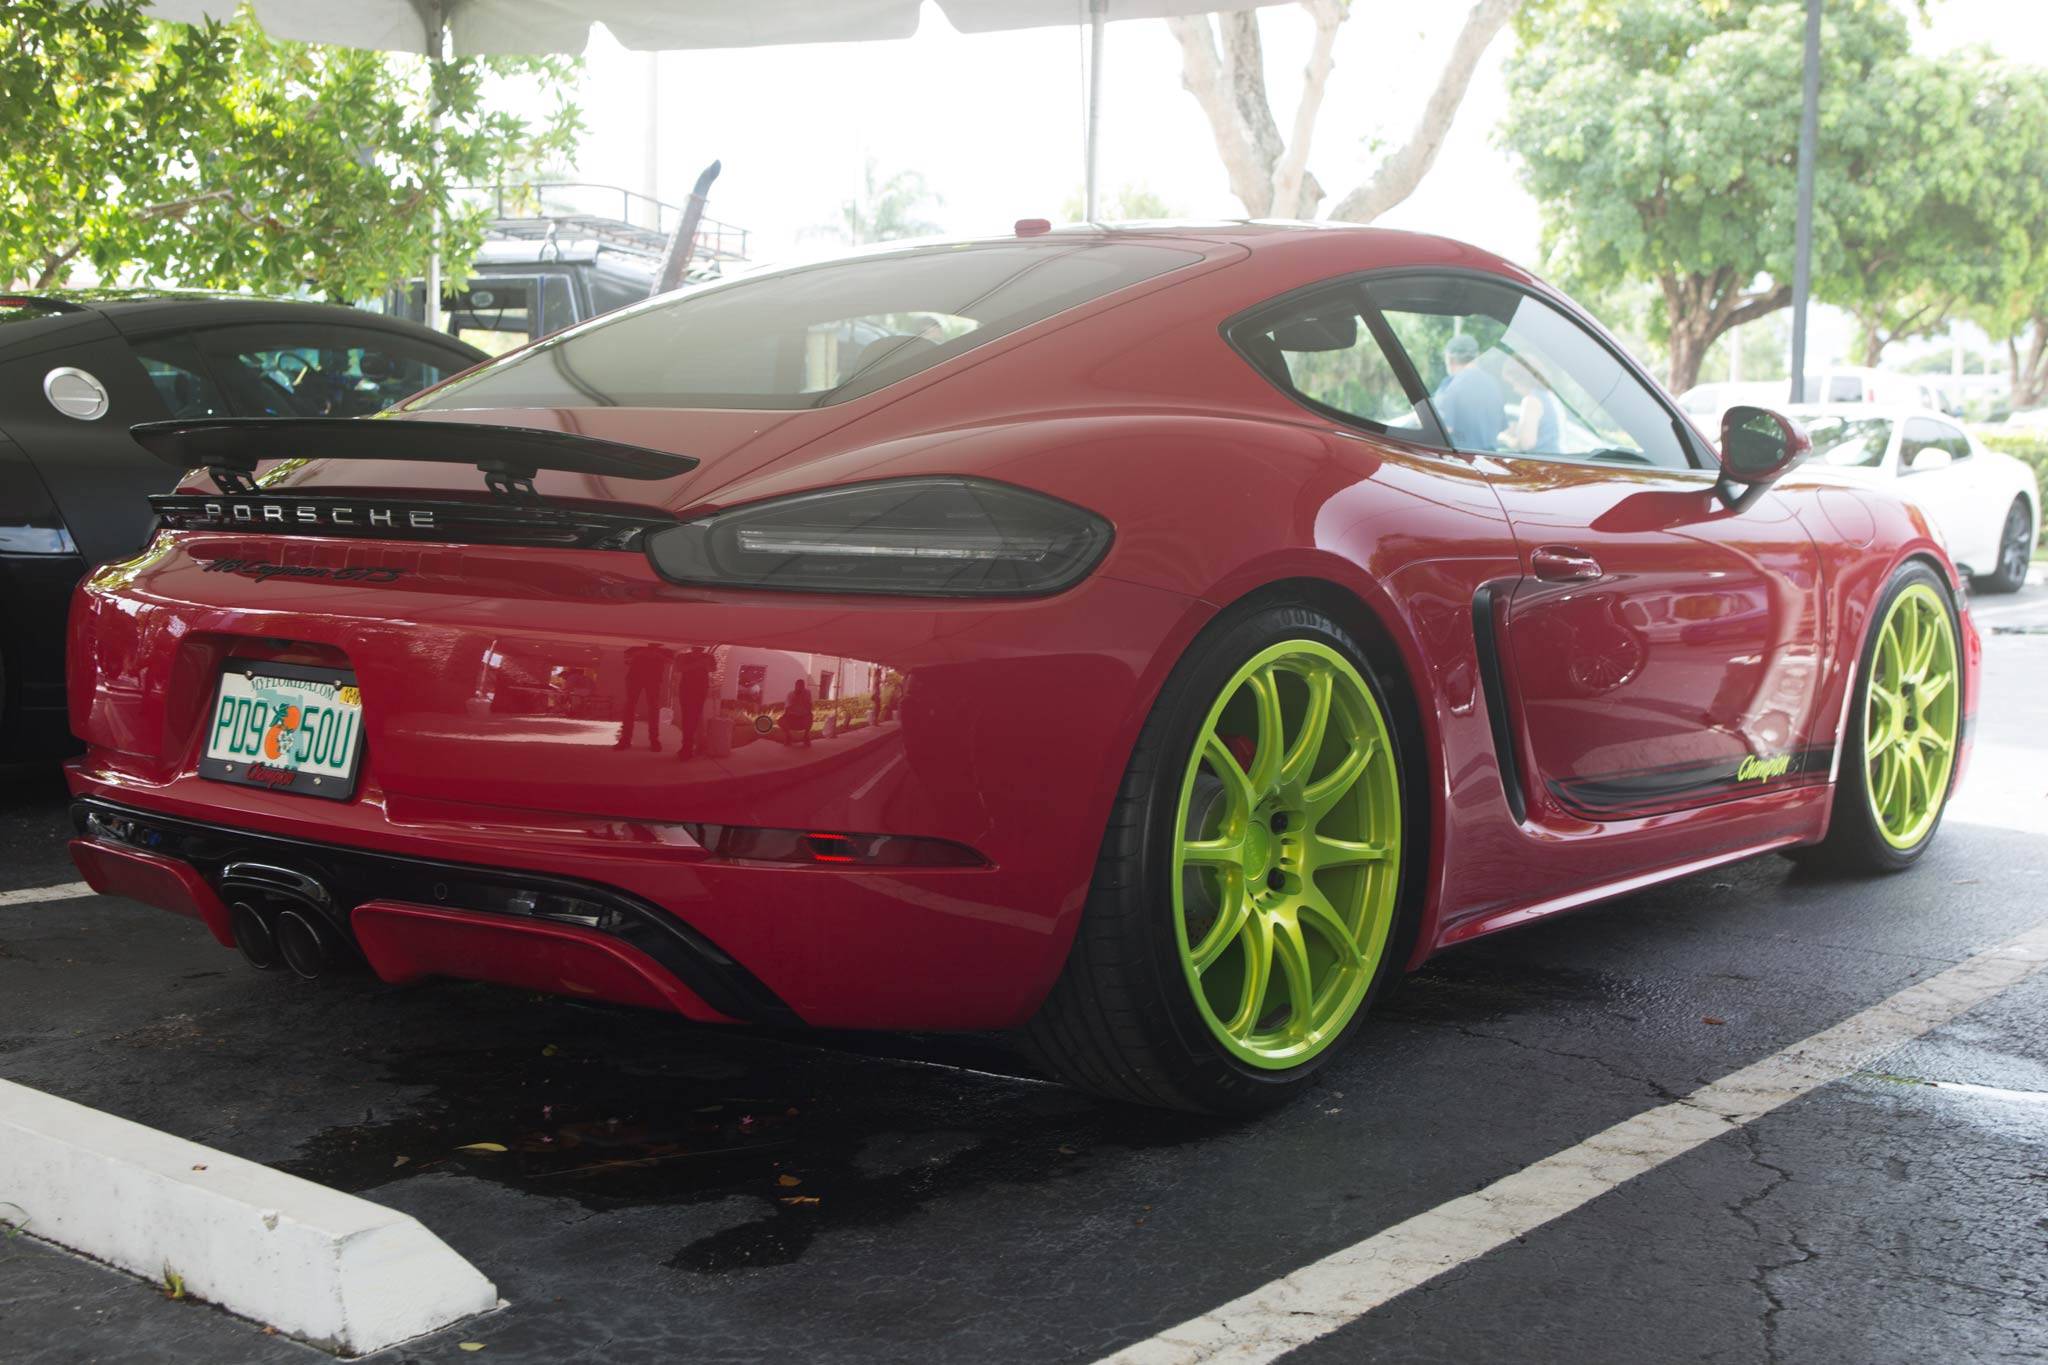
[
  {"x": 1909, "y": 242},
  {"x": 886, "y": 209},
  {"x": 1128, "y": 203},
  {"x": 1661, "y": 138},
  {"x": 2011, "y": 302},
  {"x": 212, "y": 155}
]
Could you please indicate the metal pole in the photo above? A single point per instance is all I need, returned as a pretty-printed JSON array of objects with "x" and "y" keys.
[
  {"x": 437, "y": 52},
  {"x": 1096, "y": 13},
  {"x": 1802, "y": 233},
  {"x": 682, "y": 245}
]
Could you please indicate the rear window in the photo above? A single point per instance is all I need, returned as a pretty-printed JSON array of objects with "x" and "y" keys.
[{"x": 814, "y": 335}]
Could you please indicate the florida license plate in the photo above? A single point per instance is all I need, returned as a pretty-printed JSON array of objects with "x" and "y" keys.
[{"x": 286, "y": 726}]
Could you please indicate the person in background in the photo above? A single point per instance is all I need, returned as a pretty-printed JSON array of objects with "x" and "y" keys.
[
  {"x": 694, "y": 667},
  {"x": 1470, "y": 401},
  {"x": 1535, "y": 425},
  {"x": 645, "y": 666},
  {"x": 796, "y": 714}
]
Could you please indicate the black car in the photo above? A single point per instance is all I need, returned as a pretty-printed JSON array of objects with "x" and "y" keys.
[{"x": 77, "y": 369}]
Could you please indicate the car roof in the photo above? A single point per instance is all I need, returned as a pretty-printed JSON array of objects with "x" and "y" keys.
[
  {"x": 139, "y": 312},
  {"x": 1398, "y": 247},
  {"x": 137, "y": 309}
]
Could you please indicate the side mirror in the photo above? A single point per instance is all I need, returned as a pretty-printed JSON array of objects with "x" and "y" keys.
[{"x": 1758, "y": 447}]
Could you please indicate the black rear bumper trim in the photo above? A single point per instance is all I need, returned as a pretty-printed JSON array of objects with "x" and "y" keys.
[{"x": 355, "y": 876}]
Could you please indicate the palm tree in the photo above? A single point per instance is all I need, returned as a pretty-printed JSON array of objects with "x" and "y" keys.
[{"x": 886, "y": 209}]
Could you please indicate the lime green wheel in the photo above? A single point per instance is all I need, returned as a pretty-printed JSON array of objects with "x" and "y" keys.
[
  {"x": 1903, "y": 732},
  {"x": 1912, "y": 715},
  {"x": 1288, "y": 853},
  {"x": 1249, "y": 898}
]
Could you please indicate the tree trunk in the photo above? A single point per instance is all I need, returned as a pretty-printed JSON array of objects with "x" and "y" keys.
[
  {"x": 2030, "y": 373},
  {"x": 1223, "y": 67},
  {"x": 1688, "y": 351},
  {"x": 1295, "y": 192},
  {"x": 1701, "y": 308},
  {"x": 1873, "y": 343},
  {"x": 1405, "y": 166}
]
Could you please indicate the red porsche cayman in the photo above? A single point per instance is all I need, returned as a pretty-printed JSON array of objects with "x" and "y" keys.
[{"x": 1152, "y": 640}]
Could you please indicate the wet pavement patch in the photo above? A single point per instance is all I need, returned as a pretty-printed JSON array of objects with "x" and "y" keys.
[{"x": 613, "y": 1110}]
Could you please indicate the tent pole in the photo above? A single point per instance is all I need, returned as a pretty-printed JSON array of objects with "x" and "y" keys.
[
  {"x": 437, "y": 52},
  {"x": 1096, "y": 14},
  {"x": 1802, "y": 231}
]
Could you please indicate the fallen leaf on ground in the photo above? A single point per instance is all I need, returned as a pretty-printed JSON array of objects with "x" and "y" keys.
[
  {"x": 787, "y": 1180},
  {"x": 1710, "y": 1019},
  {"x": 399, "y": 1161},
  {"x": 481, "y": 1147},
  {"x": 198, "y": 1165},
  {"x": 550, "y": 1051},
  {"x": 800, "y": 1201},
  {"x": 469, "y": 1345}
]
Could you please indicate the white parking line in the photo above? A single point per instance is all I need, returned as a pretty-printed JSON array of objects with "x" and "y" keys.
[
  {"x": 34, "y": 895},
  {"x": 1345, "y": 1285}
]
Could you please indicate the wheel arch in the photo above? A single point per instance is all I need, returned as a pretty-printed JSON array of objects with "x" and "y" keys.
[
  {"x": 1927, "y": 554},
  {"x": 1365, "y": 610}
]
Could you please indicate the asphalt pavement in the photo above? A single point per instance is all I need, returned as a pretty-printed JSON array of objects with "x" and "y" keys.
[{"x": 676, "y": 1194}]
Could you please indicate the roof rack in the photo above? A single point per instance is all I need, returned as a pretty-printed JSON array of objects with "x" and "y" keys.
[{"x": 560, "y": 210}]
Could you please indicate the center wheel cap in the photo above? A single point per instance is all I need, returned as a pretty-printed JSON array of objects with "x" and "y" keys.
[{"x": 1260, "y": 851}]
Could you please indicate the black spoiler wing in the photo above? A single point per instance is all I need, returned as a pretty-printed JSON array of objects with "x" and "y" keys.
[{"x": 229, "y": 448}]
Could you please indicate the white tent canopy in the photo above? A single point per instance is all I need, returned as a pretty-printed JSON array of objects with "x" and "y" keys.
[
  {"x": 538, "y": 26},
  {"x": 531, "y": 27}
]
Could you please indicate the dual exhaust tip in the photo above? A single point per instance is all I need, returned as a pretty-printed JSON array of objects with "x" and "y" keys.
[
  {"x": 281, "y": 917},
  {"x": 293, "y": 939}
]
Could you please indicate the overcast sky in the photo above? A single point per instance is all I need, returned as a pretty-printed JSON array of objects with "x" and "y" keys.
[{"x": 994, "y": 121}]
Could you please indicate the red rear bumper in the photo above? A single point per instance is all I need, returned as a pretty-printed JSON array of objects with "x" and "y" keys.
[
  {"x": 413, "y": 942},
  {"x": 165, "y": 883},
  {"x": 566, "y": 714}
]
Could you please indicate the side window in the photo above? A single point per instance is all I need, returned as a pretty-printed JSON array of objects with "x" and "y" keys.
[
  {"x": 1845, "y": 388},
  {"x": 1924, "y": 434},
  {"x": 1508, "y": 372},
  {"x": 1850, "y": 442},
  {"x": 1322, "y": 349},
  {"x": 557, "y": 309},
  {"x": 269, "y": 370},
  {"x": 1955, "y": 442},
  {"x": 496, "y": 312},
  {"x": 180, "y": 377}
]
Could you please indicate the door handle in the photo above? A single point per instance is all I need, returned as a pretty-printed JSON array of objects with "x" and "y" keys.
[{"x": 1563, "y": 564}]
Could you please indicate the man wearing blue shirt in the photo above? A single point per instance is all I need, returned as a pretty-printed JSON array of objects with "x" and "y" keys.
[{"x": 1470, "y": 402}]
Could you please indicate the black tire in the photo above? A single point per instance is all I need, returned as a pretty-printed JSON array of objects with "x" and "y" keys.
[
  {"x": 1854, "y": 843},
  {"x": 1121, "y": 1021},
  {"x": 2015, "y": 552}
]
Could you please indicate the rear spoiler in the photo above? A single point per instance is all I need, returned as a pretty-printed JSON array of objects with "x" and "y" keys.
[{"x": 230, "y": 448}]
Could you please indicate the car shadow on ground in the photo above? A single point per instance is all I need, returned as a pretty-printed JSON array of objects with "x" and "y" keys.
[{"x": 616, "y": 1109}]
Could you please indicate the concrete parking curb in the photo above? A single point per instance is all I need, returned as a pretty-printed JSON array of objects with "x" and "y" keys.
[{"x": 327, "y": 1268}]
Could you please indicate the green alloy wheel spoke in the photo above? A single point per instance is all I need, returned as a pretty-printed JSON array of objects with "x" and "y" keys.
[
  {"x": 1287, "y": 858},
  {"x": 1911, "y": 716}
]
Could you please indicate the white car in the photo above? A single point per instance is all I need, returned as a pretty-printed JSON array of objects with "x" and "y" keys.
[
  {"x": 1835, "y": 384},
  {"x": 1986, "y": 504}
]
